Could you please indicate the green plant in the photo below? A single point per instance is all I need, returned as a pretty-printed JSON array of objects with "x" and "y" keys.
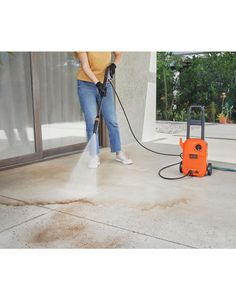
[
  {"x": 181, "y": 115},
  {"x": 197, "y": 79},
  {"x": 211, "y": 111},
  {"x": 165, "y": 82},
  {"x": 158, "y": 115},
  {"x": 230, "y": 112},
  {"x": 223, "y": 114}
]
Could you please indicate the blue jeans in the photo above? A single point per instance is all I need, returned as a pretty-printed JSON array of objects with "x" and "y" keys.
[{"x": 89, "y": 98}]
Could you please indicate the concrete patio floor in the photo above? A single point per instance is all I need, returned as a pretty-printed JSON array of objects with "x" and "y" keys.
[{"x": 131, "y": 208}]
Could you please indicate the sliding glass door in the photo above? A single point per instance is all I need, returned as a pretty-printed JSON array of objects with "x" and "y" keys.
[
  {"x": 16, "y": 105},
  {"x": 62, "y": 121},
  {"x": 39, "y": 110}
]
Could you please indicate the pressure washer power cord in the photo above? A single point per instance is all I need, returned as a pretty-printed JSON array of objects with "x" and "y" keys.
[{"x": 150, "y": 150}]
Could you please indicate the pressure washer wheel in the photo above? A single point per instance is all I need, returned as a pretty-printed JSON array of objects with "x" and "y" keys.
[
  {"x": 181, "y": 167},
  {"x": 209, "y": 169}
]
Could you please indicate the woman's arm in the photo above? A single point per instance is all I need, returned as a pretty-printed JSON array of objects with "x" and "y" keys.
[
  {"x": 83, "y": 58},
  {"x": 118, "y": 56}
]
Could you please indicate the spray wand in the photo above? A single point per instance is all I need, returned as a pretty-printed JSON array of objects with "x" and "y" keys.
[{"x": 107, "y": 78}]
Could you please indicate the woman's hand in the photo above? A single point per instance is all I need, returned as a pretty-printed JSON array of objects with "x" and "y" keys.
[
  {"x": 101, "y": 89},
  {"x": 117, "y": 60},
  {"x": 112, "y": 69}
]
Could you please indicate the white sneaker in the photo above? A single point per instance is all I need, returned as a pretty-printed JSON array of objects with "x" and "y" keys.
[
  {"x": 121, "y": 157},
  {"x": 94, "y": 162}
]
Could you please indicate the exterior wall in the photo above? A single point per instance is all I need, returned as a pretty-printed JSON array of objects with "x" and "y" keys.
[{"x": 136, "y": 85}]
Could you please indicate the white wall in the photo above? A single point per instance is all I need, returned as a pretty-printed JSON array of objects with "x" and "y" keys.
[{"x": 136, "y": 85}]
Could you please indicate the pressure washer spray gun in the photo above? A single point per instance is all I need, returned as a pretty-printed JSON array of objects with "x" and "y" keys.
[{"x": 107, "y": 77}]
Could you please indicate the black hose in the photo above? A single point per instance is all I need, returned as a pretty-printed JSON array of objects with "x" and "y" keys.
[
  {"x": 161, "y": 153},
  {"x": 150, "y": 150},
  {"x": 172, "y": 178},
  {"x": 131, "y": 130}
]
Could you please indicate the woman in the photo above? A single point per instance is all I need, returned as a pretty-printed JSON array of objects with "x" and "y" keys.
[{"x": 90, "y": 78}]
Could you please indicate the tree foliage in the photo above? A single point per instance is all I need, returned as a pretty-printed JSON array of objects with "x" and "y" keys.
[{"x": 197, "y": 79}]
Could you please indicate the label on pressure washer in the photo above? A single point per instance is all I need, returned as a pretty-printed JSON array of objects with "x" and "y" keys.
[{"x": 193, "y": 156}]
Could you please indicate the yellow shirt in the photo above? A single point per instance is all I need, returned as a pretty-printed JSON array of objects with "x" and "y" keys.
[{"x": 98, "y": 62}]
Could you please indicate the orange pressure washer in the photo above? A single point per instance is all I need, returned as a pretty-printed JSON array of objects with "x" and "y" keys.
[
  {"x": 194, "y": 159},
  {"x": 194, "y": 156}
]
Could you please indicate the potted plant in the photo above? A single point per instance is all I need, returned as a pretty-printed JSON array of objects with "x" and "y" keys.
[{"x": 222, "y": 118}]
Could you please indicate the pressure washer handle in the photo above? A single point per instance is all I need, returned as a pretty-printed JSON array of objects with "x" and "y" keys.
[
  {"x": 107, "y": 77},
  {"x": 95, "y": 125},
  {"x": 200, "y": 122}
]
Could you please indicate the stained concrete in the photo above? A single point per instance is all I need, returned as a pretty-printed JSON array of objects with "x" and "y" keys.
[
  {"x": 132, "y": 207},
  {"x": 58, "y": 230},
  {"x": 12, "y": 216}
]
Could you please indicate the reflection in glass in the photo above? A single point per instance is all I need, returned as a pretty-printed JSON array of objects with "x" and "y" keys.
[
  {"x": 62, "y": 120},
  {"x": 16, "y": 113}
]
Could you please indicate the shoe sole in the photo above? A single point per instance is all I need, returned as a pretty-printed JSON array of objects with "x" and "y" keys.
[{"x": 127, "y": 163}]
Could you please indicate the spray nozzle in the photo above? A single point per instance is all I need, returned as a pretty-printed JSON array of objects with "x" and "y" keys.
[{"x": 95, "y": 126}]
